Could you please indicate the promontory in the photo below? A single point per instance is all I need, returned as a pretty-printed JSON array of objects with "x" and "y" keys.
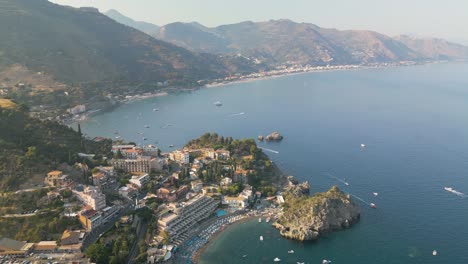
[{"x": 308, "y": 217}]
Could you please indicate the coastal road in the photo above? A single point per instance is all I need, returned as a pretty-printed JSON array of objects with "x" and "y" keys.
[{"x": 140, "y": 236}]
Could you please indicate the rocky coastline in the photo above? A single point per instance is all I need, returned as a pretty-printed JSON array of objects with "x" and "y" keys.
[{"x": 306, "y": 218}]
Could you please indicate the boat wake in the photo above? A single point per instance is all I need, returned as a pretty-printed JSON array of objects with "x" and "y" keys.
[
  {"x": 460, "y": 194},
  {"x": 360, "y": 199},
  {"x": 238, "y": 114},
  {"x": 338, "y": 179},
  {"x": 269, "y": 150}
]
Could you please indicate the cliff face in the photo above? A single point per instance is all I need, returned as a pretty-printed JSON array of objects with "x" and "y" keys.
[{"x": 308, "y": 217}]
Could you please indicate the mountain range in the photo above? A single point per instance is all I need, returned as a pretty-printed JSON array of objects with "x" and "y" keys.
[
  {"x": 284, "y": 41},
  {"x": 81, "y": 46}
]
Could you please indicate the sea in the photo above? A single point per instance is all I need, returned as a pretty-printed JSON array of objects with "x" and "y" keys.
[{"x": 413, "y": 122}]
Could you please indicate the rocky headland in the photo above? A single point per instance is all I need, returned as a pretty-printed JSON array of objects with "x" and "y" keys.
[{"x": 307, "y": 217}]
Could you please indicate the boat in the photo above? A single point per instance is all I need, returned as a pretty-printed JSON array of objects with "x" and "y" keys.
[
  {"x": 117, "y": 137},
  {"x": 325, "y": 261},
  {"x": 171, "y": 146},
  {"x": 155, "y": 109},
  {"x": 260, "y": 220},
  {"x": 363, "y": 145},
  {"x": 276, "y": 259},
  {"x": 244, "y": 256},
  {"x": 147, "y": 126},
  {"x": 291, "y": 251},
  {"x": 434, "y": 252},
  {"x": 346, "y": 183},
  {"x": 261, "y": 238},
  {"x": 375, "y": 193},
  {"x": 372, "y": 205},
  {"x": 299, "y": 262},
  {"x": 218, "y": 103},
  {"x": 268, "y": 220},
  {"x": 145, "y": 138}
]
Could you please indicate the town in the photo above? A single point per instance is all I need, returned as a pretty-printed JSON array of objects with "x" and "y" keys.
[{"x": 145, "y": 204}]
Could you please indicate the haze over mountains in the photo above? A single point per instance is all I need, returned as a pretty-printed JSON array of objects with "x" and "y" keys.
[
  {"x": 285, "y": 41},
  {"x": 83, "y": 46}
]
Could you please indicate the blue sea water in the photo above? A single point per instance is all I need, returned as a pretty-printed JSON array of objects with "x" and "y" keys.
[{"x": 413, "y": 120}]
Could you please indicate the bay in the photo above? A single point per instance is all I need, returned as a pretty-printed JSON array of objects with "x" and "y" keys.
[{"x": 413, "y": 120}]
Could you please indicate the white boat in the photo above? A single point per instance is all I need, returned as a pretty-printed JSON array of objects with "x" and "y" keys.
[
  {"x": 326, "y": 261},
  {"x": 346, "y": 183},
  {"x": 363, "y": 145},
  {"x": 276, "y": 259},
  {"x": 434, "y": 253},
  {"x": 260, "y": 220},
  {"x": 299, "y": 262},
  {"x": 372, "y": 205},
  {"x": 244, "y": 256},
  {"x": 147, "y": 126},
  {"x": 261, "y": 238},
  {"x": 155, "y": 109},
  {"x": 291, "y": 251},
  {"x": 375, "y": 193},
  {"x": 268, "y": 220}
]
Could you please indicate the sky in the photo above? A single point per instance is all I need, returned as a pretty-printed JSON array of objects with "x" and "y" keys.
[{"x": 426, "y": 18}]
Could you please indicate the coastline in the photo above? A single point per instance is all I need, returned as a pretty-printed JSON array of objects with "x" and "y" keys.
[{"x": 195, "y": 258}]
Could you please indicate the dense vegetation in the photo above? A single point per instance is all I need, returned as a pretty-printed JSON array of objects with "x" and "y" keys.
[
  {"x": 30, "y": 147},
  {"x": 263, "y": 174},
  {"x": 48, "y": 225}
]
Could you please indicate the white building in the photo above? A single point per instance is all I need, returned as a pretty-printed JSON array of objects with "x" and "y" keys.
[
  {"x": 93, "y": 197},
  {"x": 77, "y": 109},
  {"x": 140, "y": 180},
  {"x": 142, "y": 164},
  {"x": 180, "y": 156},
  {"x": 225, "y": 181},
  {"x": 235, "y": 202},
  {"x": 197, "y": 186}
]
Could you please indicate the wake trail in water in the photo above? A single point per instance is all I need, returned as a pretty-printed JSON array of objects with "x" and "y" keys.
[
  {"x": 338, "y": 179},
  {"x": 360, "y": 199},
  {"x": 238, "y": 114},
  {"x": 457, "y": 193},
  {"x": 269, "y": 150}
]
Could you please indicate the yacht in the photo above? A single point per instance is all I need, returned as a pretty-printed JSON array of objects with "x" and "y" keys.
[
  {"x": 261, "y": 238},
  {"x": 375, "y": 193},
  {"x": 260, "y": 220},
  {"x": 145, "y": 138},
  {"x": 290, "y": 251},
  {"x": 267, "y": 220},
  {"x": 171, "y": 146},
  {"x": 218, "y": 103},
  {"x": 155, "y": 109},
  {"x": 326, "y": 261},
  {"x": 363, "y": 145},
  {"x": 276, "y": 259},
  {"x": 147, "y": 126},
  {"x": 434, "y": 253},
  {"x": 372, "y": 205}
]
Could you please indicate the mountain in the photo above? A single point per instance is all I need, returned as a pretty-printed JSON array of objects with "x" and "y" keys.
[
  {"x": 30, "y": 147},
  {"x": 284, "y": 41},
  {"x": 434, "y": 48},
  {"x": 145, "y": 27},
  {"x": 86, "y": 49}
]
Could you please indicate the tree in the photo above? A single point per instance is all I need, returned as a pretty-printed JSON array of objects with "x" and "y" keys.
[{"x": 98, "y": 253}]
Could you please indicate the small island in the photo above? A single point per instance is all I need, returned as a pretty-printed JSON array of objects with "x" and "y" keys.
[
  {"x": 275, "y": 136},
  {"x": 306, "y": 218}
]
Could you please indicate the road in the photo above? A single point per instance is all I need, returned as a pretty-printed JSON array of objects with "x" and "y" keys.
[
  {"x": 93, "y": 236},
  {"x": 140, "y": 236}
]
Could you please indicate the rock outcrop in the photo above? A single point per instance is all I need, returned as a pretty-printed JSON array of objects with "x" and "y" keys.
[
  {"x": 260, "y": 138},
  {"x": 308, "y": 217},
  {"x": 275, "y": 136}
]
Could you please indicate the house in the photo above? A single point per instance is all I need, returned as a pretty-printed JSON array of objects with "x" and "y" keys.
[
  {"x": 93, "y": 197},
  {"x": 117, "y": 148},
  {"x": 99, "y": 178},
  {"x": 127, "y": 191},
  {"x": 56, "y": 179},
  {"x": 10, "y": 247},
  {"x": 90, "y": 219},
  {"x": 131, "y": 153},
  {"x": 141, "y": 165},
  {"x": 222, "y": 154},
  {"x": 180, "y": 156},
  {"x": 45, "y": 246},
  {"x": 225, "y": 181},
  {"x": 71, "y": 237},
  {"x": 77, "y": 109},
  {"x": 197, "y": 185},
  {"x": 140, "y": 180},
  {"x": 235, "y": 202}
]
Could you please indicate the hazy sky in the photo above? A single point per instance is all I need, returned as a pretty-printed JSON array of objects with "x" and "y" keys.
[{"x": 439, "y": 18}]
